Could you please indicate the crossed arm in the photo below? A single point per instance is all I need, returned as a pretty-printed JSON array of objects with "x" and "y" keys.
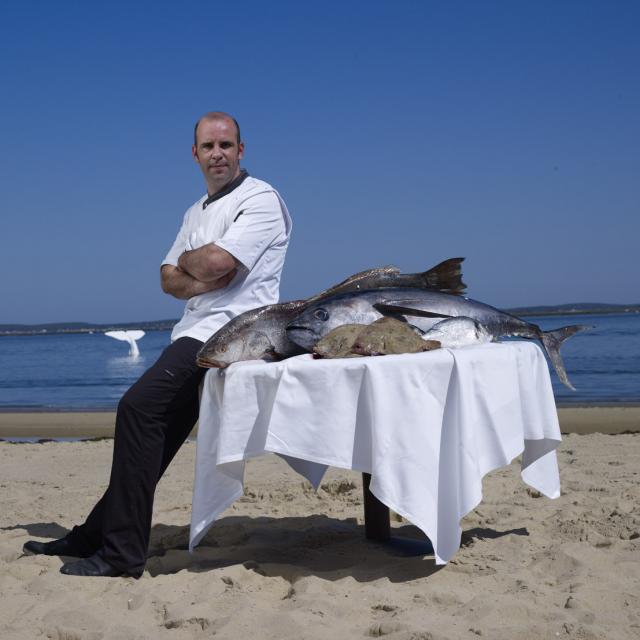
[{"x": 205, "y": 269}]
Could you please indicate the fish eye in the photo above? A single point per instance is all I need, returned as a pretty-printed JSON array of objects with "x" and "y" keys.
[{"x": 321, "y": 314}]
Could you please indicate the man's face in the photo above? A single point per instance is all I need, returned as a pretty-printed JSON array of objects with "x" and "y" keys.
[{"x": 217, "y": 152}]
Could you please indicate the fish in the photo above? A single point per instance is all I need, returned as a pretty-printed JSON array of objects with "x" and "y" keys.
[
  {"x": 338, "y": 343},
  {"x": 458, "y": 332},
  {"x": 446, "y": 276},
  {"x": 423, "y": 308},
  {"x": 387, "y": 336},
  {"x": 382, "y": 337},
  {"x": 259, "y": 334}
]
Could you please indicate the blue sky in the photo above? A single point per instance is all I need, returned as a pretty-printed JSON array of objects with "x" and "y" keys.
[{"x": 398, "y": 133}]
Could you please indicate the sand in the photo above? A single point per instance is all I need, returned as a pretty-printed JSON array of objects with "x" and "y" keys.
[
  {"x": 286, "y": 562},
  {"x": 582, "y": 419}
]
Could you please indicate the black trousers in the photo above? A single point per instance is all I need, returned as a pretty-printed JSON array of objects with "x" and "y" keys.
[{"x": 154, "y": 418}]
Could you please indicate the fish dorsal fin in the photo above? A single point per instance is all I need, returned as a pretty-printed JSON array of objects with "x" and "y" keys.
[
  {"x": 446, "y": 276},
  {"x": 350, "y": 283},
  {"x": 398, "y": 310}
]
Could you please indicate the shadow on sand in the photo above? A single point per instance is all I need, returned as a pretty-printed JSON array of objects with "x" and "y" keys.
[
  {"x": 289, "y": 547},
  {"x": 40, "y": 529}
]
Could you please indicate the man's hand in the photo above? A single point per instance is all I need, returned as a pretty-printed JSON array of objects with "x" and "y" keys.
[
  {"x": 207, "y": 263},
  {"x": 183, "y": 286}
]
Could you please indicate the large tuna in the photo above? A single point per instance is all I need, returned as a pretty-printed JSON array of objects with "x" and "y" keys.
[
  {"x": 422, "y": 308},
  {"x": 260, "y": 333}
]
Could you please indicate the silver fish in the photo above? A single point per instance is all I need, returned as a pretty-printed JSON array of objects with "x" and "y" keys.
[
  {"x": 445, "y": 276},
  {"x": 259, "y": 334},
  {"x": 458, "y": 332},
  {"x": 422, "y": 308}
]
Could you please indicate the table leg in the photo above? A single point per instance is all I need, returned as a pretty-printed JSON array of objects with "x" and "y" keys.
[
  {"x": 376, "y": 514},
  {"x": 377, "y": 527}
]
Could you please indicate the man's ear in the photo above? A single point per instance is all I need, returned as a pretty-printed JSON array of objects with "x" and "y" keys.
[
  {"x": 194, "y": 152},
  {"x": 240, "y": 150}
]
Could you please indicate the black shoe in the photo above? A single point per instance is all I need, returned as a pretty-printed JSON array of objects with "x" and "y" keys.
[
  {"x": 62, "y": 547},
  {"x": 93, "y": 566}
]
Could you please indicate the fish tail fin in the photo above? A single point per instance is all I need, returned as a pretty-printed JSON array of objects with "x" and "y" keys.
[
  {"x": 552, "y": 340},
  {"x": 128, "y": 336},
  {"x": 446, "y": 276}
]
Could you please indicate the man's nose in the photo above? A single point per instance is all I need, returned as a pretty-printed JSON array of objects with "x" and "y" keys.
[{"x": 216, "y": 151}]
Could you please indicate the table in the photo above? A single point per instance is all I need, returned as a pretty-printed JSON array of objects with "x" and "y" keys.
[{"x": 427, "y": 427}]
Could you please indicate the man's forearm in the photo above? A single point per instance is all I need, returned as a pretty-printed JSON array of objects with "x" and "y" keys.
[
  {"x": 207, "y": 263},
  {"x": 183, "y": 286}
]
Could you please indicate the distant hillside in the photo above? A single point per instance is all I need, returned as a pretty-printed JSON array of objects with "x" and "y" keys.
[
  {"x": 577, "y": 308},
  {"x": 54, "y": 328}
]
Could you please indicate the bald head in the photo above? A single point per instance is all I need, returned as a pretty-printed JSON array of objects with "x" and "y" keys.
[
  {"x": 216, "y": 115},
  {"x": 217, "y": 149}
]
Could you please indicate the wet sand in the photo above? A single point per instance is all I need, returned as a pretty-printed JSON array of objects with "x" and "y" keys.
[{"x": 581, "y": 419}]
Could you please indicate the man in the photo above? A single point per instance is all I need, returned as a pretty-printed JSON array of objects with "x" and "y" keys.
[{"x": 226, "y": 259}]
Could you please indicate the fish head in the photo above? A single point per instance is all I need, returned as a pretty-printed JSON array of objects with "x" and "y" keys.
[
  {"x": 307, "y": 330},
  {"x": 257, "y": 334},
  {"x": 242, "y": 338},
  {"x": 245, "y": 345},
  {"x": 319, "y": 319}
]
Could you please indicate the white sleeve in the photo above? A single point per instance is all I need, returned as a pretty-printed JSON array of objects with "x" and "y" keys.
[
  {"x": 179, "y": 244},
  {"x": 257, "y": 225}
]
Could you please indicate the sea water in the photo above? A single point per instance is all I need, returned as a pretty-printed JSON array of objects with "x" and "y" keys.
[
  {"x": 90, "y": 372},
  {"x": 602, "y": 363},
  {"x": 71, "y": 371}
]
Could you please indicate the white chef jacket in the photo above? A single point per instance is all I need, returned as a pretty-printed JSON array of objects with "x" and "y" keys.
[{"x": 253, "y": 224}]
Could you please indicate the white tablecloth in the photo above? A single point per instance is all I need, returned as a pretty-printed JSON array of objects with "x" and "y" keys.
[{"x": 427, "y": 426}]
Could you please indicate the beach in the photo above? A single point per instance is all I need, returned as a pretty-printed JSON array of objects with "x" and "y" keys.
[
  {"x": 584, "y": 419},
  {"x": 287, "y": 562}
]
